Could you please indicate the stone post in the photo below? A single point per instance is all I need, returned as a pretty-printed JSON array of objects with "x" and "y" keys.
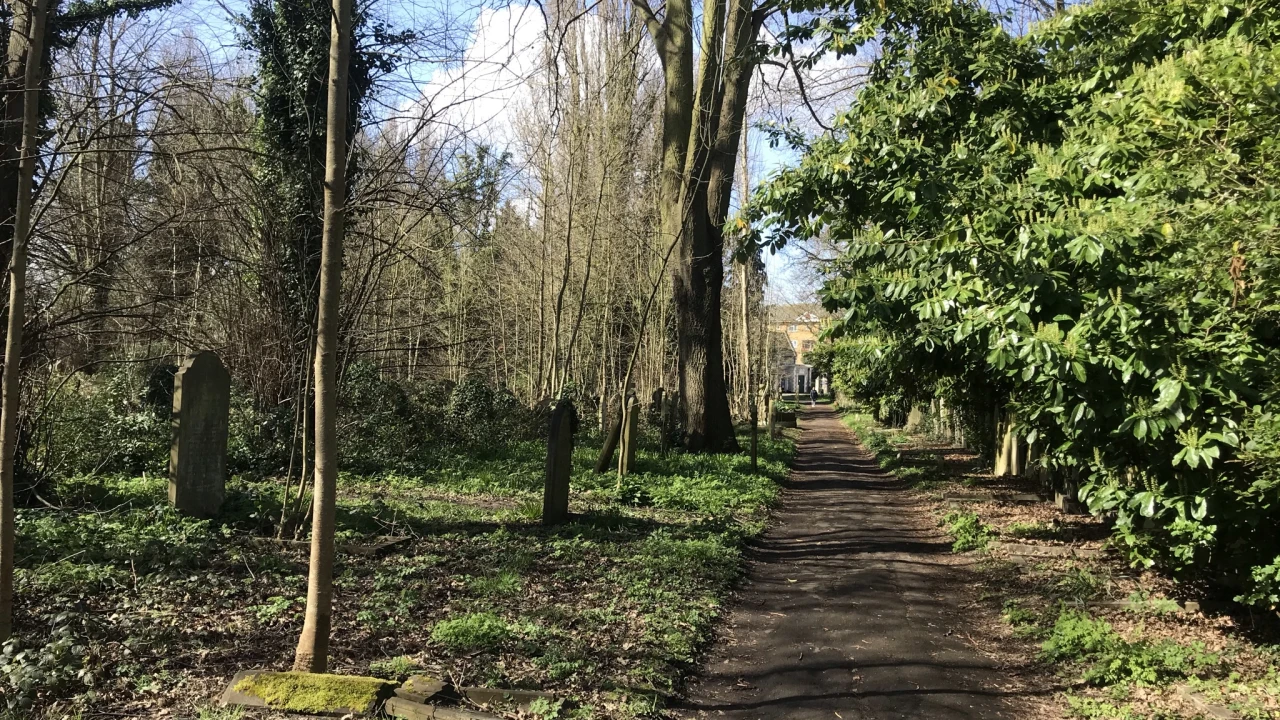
[
  {"x": 198, "y": 451},
  {"x": 630, "y": 436},
  {"x": 555, "y": 491},
  {"x": 769, "y": 412},
  {"x": 664, "y": 425}
]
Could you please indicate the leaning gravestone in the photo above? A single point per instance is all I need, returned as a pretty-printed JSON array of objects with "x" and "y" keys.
[
  {"x": 555, "y": 492},
  {"x": 630, "y": 436},
  {"x": 198, "y": 453}
]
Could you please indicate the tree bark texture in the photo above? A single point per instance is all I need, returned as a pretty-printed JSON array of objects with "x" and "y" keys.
[
  {"x": 313, "y": 646},
  {"x": 701, "y": 132},
  {"x": 33, "y": 46}
]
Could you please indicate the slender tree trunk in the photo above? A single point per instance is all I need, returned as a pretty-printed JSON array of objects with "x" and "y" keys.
[
  {"x": 557, "y": 378},
  {"x": 746, "y": 335},
  {"x": 9, "y": 386},
  {"x": 313, "y": 646},
  {"x": 586, "y": 278}
]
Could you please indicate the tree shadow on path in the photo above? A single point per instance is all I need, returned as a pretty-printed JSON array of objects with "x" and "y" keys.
[{"x": 852, "y": 607}]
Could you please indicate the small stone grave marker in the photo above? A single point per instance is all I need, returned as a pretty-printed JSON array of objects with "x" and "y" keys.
[
  {"x": 198, "y": 452},
  {"x": 555, "y": 494}
]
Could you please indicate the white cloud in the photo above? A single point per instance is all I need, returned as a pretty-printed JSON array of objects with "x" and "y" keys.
[{"x": 478, "y": 96}]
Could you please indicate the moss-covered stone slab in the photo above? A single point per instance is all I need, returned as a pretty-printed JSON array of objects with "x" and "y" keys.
[
  {"x": 398, "y": 707},
  {"x": 307, "y": 693}
]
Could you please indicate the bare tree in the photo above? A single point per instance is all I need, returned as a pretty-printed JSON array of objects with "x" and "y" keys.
[
  {"x": 32, "y": 50},
  {"x": 313, "y": 645}
]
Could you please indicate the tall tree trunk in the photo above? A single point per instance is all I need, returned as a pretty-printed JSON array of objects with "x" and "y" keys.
[
  {"x": 9, "y": 386},
  {"x": 313, "y": 646},
  {"x": 702, "y": 124}
]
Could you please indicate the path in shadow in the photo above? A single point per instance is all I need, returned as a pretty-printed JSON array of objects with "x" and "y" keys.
[{"x": 850, "y": 607}]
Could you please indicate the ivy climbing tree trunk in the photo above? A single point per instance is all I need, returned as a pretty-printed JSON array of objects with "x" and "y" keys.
[
  {"x": 33, "y": 49},
  {"x": 313, "y": 646}
]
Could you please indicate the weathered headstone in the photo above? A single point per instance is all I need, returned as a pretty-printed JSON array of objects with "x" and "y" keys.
[
  {"x": 555, "y": 492},
  {"x": 630, "y": 436},
  {"x": 198, "y": 452}
]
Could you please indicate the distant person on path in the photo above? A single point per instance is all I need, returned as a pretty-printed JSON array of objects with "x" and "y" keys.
[{"x": 813, "y": 395}]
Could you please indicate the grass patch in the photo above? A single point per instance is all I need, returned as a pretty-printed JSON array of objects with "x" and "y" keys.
[
  {"x": 396, "y": 668},
  {"x": 1078, "y": 583},
  {"x": 505, "y": 583}
]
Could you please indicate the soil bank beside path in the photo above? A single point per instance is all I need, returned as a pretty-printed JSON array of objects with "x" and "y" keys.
[{"x": 853, "y": 607}]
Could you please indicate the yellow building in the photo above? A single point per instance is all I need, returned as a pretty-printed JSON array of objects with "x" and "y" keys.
[{"x": 794, "y": 331}]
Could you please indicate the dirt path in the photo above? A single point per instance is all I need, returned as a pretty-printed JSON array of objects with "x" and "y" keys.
[{"x": 851, "y": 606}]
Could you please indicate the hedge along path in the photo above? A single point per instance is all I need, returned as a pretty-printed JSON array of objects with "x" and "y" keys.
[{"x": 853, "y": 607}]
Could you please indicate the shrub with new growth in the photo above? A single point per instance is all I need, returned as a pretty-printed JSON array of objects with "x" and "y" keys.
[
  {"x": 969, "y": 531},
  {"x": 474, "y": 631}
]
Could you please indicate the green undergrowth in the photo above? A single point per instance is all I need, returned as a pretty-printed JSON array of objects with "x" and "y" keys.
[
  {"x": 1104, "y": 657},
  {"x": 884, "y": 444},
  {"x": 122, "y": 600},
  {"x": 967, "y": 530}
]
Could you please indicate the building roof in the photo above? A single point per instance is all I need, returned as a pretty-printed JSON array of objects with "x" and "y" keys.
[{"x": 796, "y": 313}]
